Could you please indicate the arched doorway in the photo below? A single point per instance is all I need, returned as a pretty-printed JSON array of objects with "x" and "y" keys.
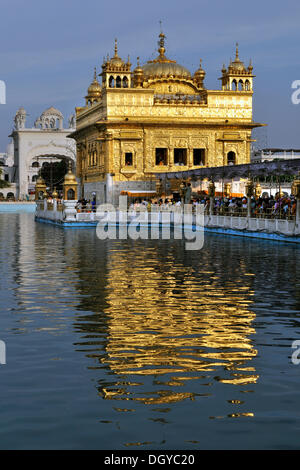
[
  {"x": 53, "y": 171},
  {"x": 231, "y": 158},
  {"x": 10, "y": 196}
]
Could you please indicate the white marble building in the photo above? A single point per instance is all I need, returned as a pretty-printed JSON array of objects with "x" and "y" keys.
[
  {"x": 8, "y": 171},
  {"x": 47, "y": 141}
]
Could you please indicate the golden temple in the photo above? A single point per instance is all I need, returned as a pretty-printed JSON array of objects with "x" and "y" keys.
[{"x": 159, "y": 118}]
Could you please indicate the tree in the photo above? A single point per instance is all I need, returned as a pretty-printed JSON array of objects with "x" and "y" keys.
[
  {"x": 3, "y": 183},
  {"x": 53, "y": 173}
]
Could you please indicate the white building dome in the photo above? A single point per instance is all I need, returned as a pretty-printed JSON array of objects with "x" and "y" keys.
[{"x": 51, "y": 118}]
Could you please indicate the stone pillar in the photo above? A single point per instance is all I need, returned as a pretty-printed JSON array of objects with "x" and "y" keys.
[
  {"x": 190, "y": 157},
  {"x": 109, "y": 188},
  {"x": 171, "y": 156},
  {"x": 70, "y": 211},
  {"x": 248, "y": 207}
]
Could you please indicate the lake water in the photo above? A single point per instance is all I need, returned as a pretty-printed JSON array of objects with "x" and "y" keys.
[{"x": 144, "y": 345}]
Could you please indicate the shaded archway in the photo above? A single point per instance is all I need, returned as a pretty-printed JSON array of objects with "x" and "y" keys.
[
  {"x": 53, "y": 172},
  {"x": 231, "y": 158}
]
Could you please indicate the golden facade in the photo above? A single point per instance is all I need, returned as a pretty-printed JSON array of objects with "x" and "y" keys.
[{"x": 157, "y": 118}]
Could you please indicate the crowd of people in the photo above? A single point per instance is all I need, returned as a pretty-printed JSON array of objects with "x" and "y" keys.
[
  {"x": 267, "y": 206},
  {"x": 86, "y": 205}
]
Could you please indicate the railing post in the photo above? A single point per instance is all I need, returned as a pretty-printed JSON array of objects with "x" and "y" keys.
[{"x": 211, "y": 194}]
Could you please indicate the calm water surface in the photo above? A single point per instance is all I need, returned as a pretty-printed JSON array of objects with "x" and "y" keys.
[{"x": 143, "y": 345}]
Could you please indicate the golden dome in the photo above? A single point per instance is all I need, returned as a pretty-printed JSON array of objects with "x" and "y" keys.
[
  {"x": 95, "y": 87},
  {"x": 116, "y": 61},
  {"x": 55, "y": 193},
  {"x": 69, "y": 176},
  {"x": 237, "y": 65},
  {"x": 40, "y": 180},
  {"x": 138, "y": 69},
  {"x": 200, "y": 72},
  {"x": 162, "y": 67}
]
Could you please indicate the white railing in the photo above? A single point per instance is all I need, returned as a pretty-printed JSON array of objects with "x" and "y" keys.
[{"x": 67, "y": 212}]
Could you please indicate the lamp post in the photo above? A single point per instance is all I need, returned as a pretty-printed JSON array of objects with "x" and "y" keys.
[
  {"x": 211, "y": 194},
  {"x": 296, "y": 193},
  {"x": 249, "y": 193},
  {"x": 258, "y": 190}
]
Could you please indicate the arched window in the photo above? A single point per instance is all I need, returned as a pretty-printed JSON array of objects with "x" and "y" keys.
[
  {"x": 118, "y": 82},
  {"x": 70, "y": 194},
  {"x": 111, "y": 82},
  {"x": 234, "y": 85},
  {"x": 125, "y": 82},
  {"x": 247, "y": 85},
  {"x": 34, "y": 178},
  {"x": 231, "y": 160},
  {"x": 241, "y": 85},
  {"x": 35, "y": 165}
]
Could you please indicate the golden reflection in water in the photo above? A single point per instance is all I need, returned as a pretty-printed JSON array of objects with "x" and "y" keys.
[{"x": 172, "y": 322}]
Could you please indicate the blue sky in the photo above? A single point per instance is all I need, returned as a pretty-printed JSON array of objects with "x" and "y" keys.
[{"x": 48, "y": 51}]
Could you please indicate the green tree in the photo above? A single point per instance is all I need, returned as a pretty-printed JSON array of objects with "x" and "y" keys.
[
  {"x": 3, "y": 183},
  {"x": 53, "y": 173}
]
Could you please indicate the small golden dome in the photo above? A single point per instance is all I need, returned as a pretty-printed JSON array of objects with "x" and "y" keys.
[
  {"x": 40, "y": 180},
  {"x": 237, "y": 65},
  {"x": 69, "y": 176},
  {"x": 138, "y": 69},
  {"x": 95, "y": 87},
  {"x": 116, "y": 61},
  {"x": 200, "y": 72}
]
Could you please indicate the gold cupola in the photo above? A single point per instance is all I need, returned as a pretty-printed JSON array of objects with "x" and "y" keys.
[
  {"x": 115, "y": 72},
  {"x": 70, "y": 184},
  {"x": 237, "y": 65},
  {"x": 94, "y": 91},
  {"x": 199, "y": 76},
  {"x": 40, "y": 188},
  {"x": 138, "y": 74},
  {"x": 237, "y": 77},
  {"x": 162, "y": 67}
]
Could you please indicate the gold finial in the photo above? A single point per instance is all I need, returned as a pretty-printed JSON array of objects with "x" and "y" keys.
[
  {"x": 116, "y": 48},
  {"x": 138, "y": 61},
  {"x": 95, "y": 74},
  {"x": 161, "y": 44},
  {"x": 237, "y": 51}
]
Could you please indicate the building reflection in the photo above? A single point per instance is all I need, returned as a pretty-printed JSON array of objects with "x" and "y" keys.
[
  {"x": 156, "y": 323},
  {"x": 175, "y": 322}
]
